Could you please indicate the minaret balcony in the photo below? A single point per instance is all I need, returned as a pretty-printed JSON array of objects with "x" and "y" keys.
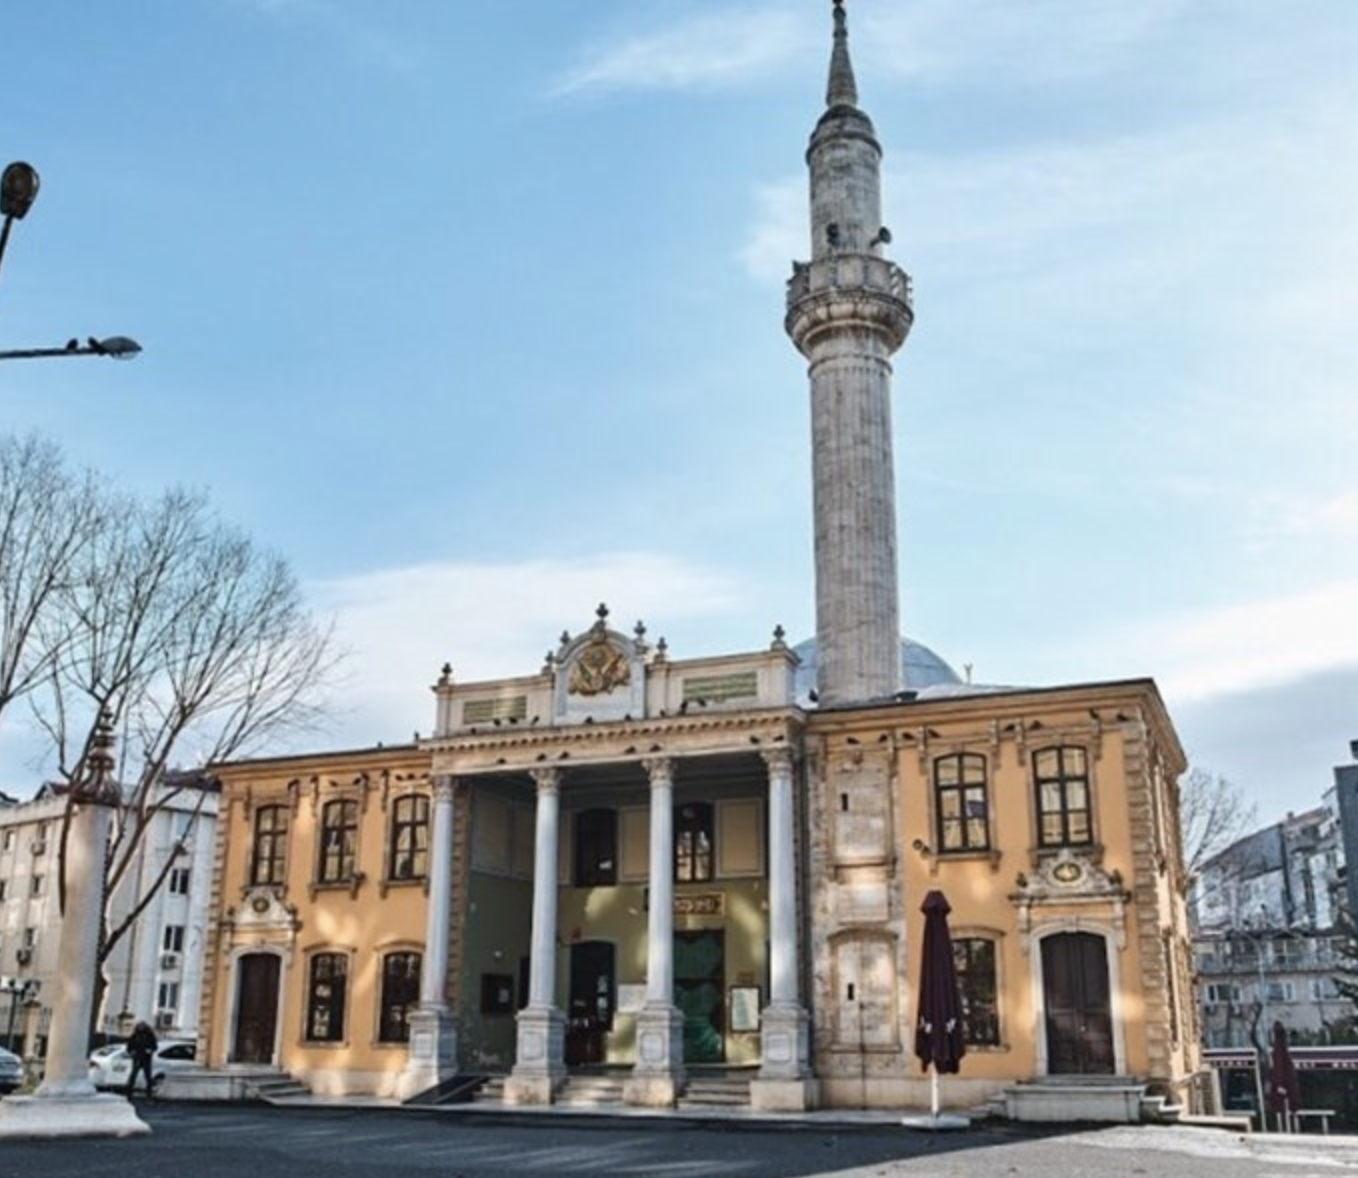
[{"x": 848, "y": 289}]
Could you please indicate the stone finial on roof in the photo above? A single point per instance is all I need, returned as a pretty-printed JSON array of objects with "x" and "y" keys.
[{"x": 842, "y": 89}]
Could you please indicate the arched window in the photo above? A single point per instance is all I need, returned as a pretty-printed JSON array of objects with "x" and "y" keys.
[
  {"x": 408, "y": 848},
  {"x": 978, "y": 983},
  {"x": 1061, "y": 777},
  {"x": 400, "y": 995},
  {"x": 693, "y": 857},
  {"x": 339, "y": 842},
  {"x": 268, "y": 860},
  {"x": 961, "y": 804},
  {"x": 327, "y": 989}
]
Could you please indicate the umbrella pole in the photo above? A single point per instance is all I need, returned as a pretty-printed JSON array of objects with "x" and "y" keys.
[{"x": 933, "y": 1090}]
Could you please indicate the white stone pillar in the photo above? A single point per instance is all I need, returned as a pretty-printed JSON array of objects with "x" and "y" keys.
[
  {"x": 783, "y": 963},
  {"x": 432, "y": 1056},
  {"x": 539, "y": 1065},
  {"x": 658, "y": 1075},
  {"x": 66, "y": 1103},
  {"x": 784, "y": 1081}
]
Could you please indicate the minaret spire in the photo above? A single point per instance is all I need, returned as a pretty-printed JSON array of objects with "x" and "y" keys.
[
  {"x": 848, "y": 311},
  {"x": 842, "y": 90}
]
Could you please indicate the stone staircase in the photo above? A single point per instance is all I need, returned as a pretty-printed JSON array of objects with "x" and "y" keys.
[
  {"x": 602, "y": 1088},
  {"x": 277, "y": 1088},
  {"x": 1109, "y": 1100},
  {"x": 717, "y": 1089}
]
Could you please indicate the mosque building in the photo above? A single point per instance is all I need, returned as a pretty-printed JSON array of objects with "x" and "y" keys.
[{"x": 676, "y": 875}]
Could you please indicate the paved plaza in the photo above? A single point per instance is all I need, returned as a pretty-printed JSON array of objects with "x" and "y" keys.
[{"x": 206, "y": 1141}]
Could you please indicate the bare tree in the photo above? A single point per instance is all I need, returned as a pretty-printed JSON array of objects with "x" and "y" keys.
[
  {"x": 1212, "y": 814},
  {"x": 48, "y": 519},
  {"x": 196, "y": 642}
]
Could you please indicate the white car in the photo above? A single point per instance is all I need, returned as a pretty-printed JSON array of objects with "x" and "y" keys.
[
  {"x": 111, "y": 1065},
  {"x": 11, "y": 1071}
]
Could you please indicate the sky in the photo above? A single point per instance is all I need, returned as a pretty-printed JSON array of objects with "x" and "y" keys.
[{"x": 474, "y": 313}]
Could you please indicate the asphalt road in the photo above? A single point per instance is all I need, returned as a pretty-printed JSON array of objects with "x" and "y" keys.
[{"x": 207, "y": 1141}]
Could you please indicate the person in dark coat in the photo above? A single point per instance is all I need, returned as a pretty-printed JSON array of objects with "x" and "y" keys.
[{"x": 141, "y": 1047}]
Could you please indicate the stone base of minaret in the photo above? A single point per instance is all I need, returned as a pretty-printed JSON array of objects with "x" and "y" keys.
[
  {"x": 539, "y": 1062},
  {"x": 785, "y": 1082},
  {"x": 433, "y": 1052},
  {"x": 658, "y": 1078},
  {"x": 93, "y": 1114}
]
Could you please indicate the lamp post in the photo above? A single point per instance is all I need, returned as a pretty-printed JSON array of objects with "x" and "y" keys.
[
  {"x": 66, "y": 1103},
  {"x": 19, "y": 186}
]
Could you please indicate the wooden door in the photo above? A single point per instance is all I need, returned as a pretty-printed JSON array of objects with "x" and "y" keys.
[
  {"x": 1079, "y": 1012},
  {"x": 593, "y": 998},
  {"x": 256, "y": 1008},
  {"x": 700, "y": 993}
]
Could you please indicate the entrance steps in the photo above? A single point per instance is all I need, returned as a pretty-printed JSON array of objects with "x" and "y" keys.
[
  {"x": 717, "y": 1088},
  {"x": 602, "y": 1088},
  {"x": 277, "y": 1088}
]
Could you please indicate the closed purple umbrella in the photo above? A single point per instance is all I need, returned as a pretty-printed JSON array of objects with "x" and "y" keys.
[
  {"x": 938, "y": 1022},
  {"x": 1284, "y": 1092}
]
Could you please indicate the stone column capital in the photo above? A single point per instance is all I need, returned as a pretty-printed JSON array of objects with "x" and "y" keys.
[
  {"x": 660, "y": 770},
  {"x": 779, "y": 761},
  {"x": 548, "y": 781},
  {"x": 444, "y": 785}
]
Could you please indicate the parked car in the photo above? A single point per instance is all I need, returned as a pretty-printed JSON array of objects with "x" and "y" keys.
[
  {"x": 111, "y": 1065},
  {"x": 11, "y": 1071}
]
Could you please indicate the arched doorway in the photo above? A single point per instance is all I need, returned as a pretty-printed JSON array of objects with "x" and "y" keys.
[
  {"x": 256, "y": 1008},
  {"x": 1076, "y": 998}
]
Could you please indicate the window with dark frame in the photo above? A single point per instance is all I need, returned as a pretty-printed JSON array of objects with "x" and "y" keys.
[
  {"x": 974, "y": 958},
  {"x": 268, "y": 862},
  {"x": 408, "y": 850},
  {"x": 962, "y": 804},
  {"x": 693, "y": 842},
  {"x": 1061, "y": 778},
  {"x": 339, "y": 842},
  {"x": 400, "y": 995},
  {"x": 328, "y": 977},
  {"x": 596, "y": 848}
]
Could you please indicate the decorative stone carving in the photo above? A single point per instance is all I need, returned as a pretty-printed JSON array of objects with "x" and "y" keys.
[{"x": 1071, "y": 878}]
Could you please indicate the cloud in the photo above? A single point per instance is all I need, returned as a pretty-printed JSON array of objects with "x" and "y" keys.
[
  {"x": 491, "y": 620},
  {"x": 708, "y": 50},
  {"x": 360, "y": 37}
]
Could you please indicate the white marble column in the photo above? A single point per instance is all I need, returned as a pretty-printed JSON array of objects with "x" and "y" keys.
[
  {"x": 432, "y": 1056},
  {"x": 784, "y": 1081},
  {"x": 658, "y": 1076},
  {"x": 66, "y": 1104},
  {"x": 539, "y": 1065}
]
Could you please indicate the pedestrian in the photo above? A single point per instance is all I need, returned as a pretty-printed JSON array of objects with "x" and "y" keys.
[{"x": 141, "y": 1048}]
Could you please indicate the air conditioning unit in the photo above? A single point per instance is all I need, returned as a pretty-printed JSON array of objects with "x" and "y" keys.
[
  {"x": 164, "y": 1020},
  {"x": 169, "y": 961},
  {"x": 38, "y": 846}
]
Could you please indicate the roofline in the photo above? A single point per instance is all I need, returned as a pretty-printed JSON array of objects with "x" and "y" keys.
[{"x": 392, "y": 751}]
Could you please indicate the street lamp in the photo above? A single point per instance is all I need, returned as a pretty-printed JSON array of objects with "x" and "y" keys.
[
  {"x": 119, "y": 347},
  {"x": 19, "y": 186}
]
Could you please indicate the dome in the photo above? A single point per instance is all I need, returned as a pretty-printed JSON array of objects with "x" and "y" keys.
[{"x": 921, "y": 669}]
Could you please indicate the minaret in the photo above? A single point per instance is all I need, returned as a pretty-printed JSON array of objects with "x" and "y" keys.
[{"x": 848, "y": 311}]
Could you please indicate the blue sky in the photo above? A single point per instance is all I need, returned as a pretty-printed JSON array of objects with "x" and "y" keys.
[{"x": 474, "y": 312}]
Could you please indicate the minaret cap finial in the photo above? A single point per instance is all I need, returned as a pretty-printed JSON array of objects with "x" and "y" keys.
[{"x": 842, "y": 90}]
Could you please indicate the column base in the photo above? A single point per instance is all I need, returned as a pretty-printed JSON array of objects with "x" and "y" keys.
[
  {"x": 539, "y": 1057},
  {"x": 658, "y": 1077},
  {"x": 784, "y": 1043},
  {"x": 433, "y": 1052},
  {"x": 96, "y": 1115}
]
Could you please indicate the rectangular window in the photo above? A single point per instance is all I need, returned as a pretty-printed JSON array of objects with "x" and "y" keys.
[
  {"x": 167, "y": 996},
  {"x": 693, "y": 857},
  {"x": 962, "y": 805},
  {"x": 30, "y": 938},
  {"x": 408, "y": 851},
  {"x": 37, "y": 885},
  {"x": 178, "y": 883},
  {"x": 4, "y": 888},
  {"x": 172, "y": 940},
  {"x": 1061, "y": 777},
  {"x": 1223, "y": 994},
  {"x": 974, "y": 958},
  {"x": 328, "y": 978},
  {"x": 11, "y": 837},
  {"x": 339, "y": 842},
  {"x": 268, "y": 863},
  {"x": 596, "y": 848},
  {"x": 400, "y": 996}
]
